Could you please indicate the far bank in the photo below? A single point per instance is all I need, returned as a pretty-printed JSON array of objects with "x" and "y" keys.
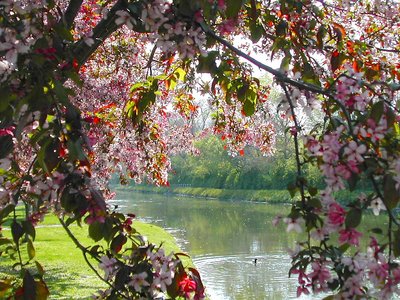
[{"x": 272, "y": 196}]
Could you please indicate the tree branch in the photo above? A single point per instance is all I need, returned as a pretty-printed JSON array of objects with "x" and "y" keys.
[
  {"x": 296, "y": 142},
  {"x": 82, "y": 51},
  {"x": 71, "y": 12},
  {"x": 278, "y": 74}
]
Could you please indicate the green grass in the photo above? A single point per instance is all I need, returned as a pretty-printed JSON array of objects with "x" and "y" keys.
[
  {"x": 270, "y": 196},
  {"x": 66, "y": 272}
]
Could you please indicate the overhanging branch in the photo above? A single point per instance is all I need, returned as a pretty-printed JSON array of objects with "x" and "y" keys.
[
  {"x": 281, "y": 77},
  {"x": 82, "y": 51}
]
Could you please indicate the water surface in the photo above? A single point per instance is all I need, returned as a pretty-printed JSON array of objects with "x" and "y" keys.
[{"x": 223, "y": 239}]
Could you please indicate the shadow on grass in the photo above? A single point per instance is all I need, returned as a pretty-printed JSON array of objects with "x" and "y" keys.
[{"x": 62, "y": 282}]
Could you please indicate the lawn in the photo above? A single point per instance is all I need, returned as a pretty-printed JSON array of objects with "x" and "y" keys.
[{"x": 66, "y": 272}]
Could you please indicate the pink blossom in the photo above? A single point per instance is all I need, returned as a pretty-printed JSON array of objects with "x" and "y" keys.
[
  {"x": 276, "y": 220},
  {"x": 138, "y": 281},
  {"x": 221, "y": 5},
  {"x": 353, "y": 286},
  {"x": 350, "y": 236},
  {"x": 294, "y": 224},
  {"x": 7, "y": 131},
  {"x": 163, "y": 278},
  {"x": 377, "y": 205},
  {"x": 336, "y": 214},
  {"x": 302, "y": 290},
  {"x": 319, "y": 276},
  {"x": 378, "y": 272},
  {"x": 355, "y": 152},
  {"x": 227, "y": 26},
  {"x": 319, "y": 234},
  {"x": 108, "y": 266},
  {"x": 187, "y": 286}
]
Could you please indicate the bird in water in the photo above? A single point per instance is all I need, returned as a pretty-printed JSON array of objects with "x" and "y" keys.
[{"x": 255, "y": 261}]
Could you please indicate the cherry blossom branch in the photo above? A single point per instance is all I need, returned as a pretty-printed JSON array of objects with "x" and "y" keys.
[
  {"x": 278, "y": 74},
  {"x": 81, "y": 50}
]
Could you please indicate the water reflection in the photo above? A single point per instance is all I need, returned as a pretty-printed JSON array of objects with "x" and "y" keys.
[{"x": 223, "y": 239}]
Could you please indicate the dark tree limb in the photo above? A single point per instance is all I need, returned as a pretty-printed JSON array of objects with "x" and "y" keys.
[
  {"x": 71, "y": 12},
  {"x": 82, "y": 51}
]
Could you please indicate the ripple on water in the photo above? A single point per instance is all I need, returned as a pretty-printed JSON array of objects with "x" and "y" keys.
[{"x": 238, "y": 277}]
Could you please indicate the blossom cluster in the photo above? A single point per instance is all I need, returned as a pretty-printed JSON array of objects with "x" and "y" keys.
[
  {"x": 157, "y": 273},
  {"x": 170, "y": 35}
]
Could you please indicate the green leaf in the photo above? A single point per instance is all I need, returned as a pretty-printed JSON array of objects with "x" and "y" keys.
[
  {"x": 17, "y": 231},
  {"x": 61, "y": 92},
  {"x": 42, "y": 154},
  {"x": 353, "y": 218},
  {"x": 63, "y": 32},
  {"x": 314, "y": 202},
  {"x": 390, "y": 194},
  {"x": 207, "y": 63},
  {"x": 321, "y": 33},
  {"x": 75, "y": 150},
  {"x": 6, "y": 98},
  {"x": 352, "y": 181},
  {"x": 396, "y": 243},
  {"x": 241, "y": 92},
  {"x": 233, "y": 8},
  {"x": 29, "y": 286},
  {"x": 40, "y": 269},
  {"x": 122, "y": 277},
  {"x": 377, "y": 111},
  {"x": 118, "y": 242},
  {"x": 281, "y": 28},
  {"x": 249, "y": 108},
  {"x": 180, "y": 74},
  {"x": 96, "y": 231},
  {"x": 377, "y": 230},
  {"x": 7, "y": 145},
  {"x": 344, "y": 248},
  {"x": 256, "y": 32},
  {"x": 292, "y": 188},
  {"x": 30, "y": 249},
  {"x": 6, "y": 211},
  {"x": 308, "y": 75},
  {"x": 29, "y": 229},
  {"x": 286, "y": 62},
  {"x": 312, "y": 191}
]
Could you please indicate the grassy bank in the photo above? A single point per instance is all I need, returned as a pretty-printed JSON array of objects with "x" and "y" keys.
[
  {"x": 67, "y": 274},
  {"x": 268, "y": 196}
]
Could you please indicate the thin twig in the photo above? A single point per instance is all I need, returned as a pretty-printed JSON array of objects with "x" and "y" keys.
[{"x": 296, "y": 142}]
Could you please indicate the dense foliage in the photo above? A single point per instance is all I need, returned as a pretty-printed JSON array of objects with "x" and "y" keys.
[
  {"x": 215, "y": 168},
  {"x": 92, "y": 87}
]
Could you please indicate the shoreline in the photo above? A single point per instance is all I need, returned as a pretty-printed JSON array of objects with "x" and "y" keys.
[{"x": 254, "y": 196}]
